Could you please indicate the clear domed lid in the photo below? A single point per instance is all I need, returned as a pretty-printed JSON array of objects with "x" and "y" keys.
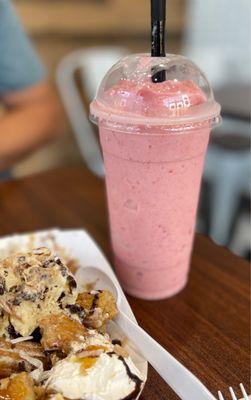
[{"x": 140, "y": 89}]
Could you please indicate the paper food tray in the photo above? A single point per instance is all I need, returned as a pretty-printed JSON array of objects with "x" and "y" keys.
[{"x": 77, "y": 245}]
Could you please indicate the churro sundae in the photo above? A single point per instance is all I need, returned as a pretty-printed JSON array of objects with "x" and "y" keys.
[{"x": 53, "y": 339}]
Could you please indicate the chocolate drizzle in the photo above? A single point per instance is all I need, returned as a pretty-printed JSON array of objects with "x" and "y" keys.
[
  {"x": 135, "y": 379},
  {"x": 138, "y": 382},
  {"x": 110, "y": 353}
]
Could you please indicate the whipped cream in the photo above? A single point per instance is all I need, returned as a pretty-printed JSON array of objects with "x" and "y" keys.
[{"x": 107, "y": 377}]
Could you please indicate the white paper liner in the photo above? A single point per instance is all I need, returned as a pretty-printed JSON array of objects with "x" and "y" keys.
[{"x": 77, "y": 244}]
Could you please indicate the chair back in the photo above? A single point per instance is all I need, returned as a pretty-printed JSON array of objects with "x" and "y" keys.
[{"x": 92, "y": 63}]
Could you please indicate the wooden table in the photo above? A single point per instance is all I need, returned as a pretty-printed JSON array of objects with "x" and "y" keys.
[{"x": 206, "y": 326}]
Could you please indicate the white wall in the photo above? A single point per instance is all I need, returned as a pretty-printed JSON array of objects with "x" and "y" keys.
[{"x": 218, "y": 38}]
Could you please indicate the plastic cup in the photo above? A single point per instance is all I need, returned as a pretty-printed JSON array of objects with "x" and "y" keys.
[{"x": 154, "y": 138}]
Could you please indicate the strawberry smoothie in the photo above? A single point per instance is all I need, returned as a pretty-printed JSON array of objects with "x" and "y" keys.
[{"x": 154, "y": 145}]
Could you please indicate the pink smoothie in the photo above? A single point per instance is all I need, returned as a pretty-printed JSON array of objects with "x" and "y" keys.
[{"x": 153, "y": 176}]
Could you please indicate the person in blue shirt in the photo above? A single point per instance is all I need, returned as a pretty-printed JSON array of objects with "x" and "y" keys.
[{"x": 30, "y": 112}]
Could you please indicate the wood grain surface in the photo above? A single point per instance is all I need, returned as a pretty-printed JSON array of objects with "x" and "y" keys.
[{"x": 206, "y": 326}]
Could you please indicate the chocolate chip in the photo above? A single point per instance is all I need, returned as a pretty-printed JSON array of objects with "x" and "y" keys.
[
  {"x": 17, "y": 301},
  {"x": 41, "y": 295},
  {"x": 36, "y": 334},
  {"x": 61, "y": 297},
  {"x": 21, "y": 259},
  {"x": 63, "y": 271},
  {"x": 58, "y": 261},
  {"x": 74, "y": 308},
  {"x": 78, "y": 310},
  {"x": 71, "y": 282},
  {"x": 2, "y": 286},
  {"x": 29, "y": 296},
  {"x": 24, "y": 296},
  {"x": 47, "y": 263},
  {"x": 11, "y": 331},
  {"x": 60, "y": 354},
  {"x": 94, "y": 301},
  {"x": 116, "y": 341},
  {"x": 14, "y": 289},
  {"x": 21, "y": 366}
]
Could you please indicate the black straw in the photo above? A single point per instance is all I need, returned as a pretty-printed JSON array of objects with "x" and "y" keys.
[{"x": 158, "y": 22}]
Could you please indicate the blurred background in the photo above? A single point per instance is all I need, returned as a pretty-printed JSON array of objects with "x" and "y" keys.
[{"x": 73, "y": 36}]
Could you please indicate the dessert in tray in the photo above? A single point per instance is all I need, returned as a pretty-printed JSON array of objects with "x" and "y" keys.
[{"x": 53, "y": 338}]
